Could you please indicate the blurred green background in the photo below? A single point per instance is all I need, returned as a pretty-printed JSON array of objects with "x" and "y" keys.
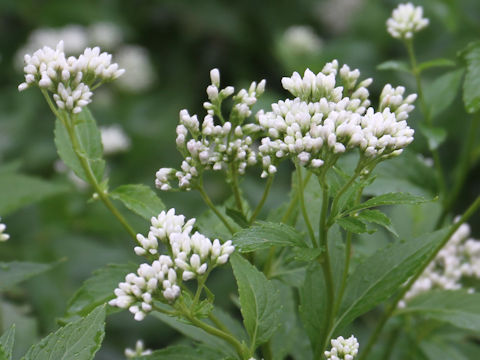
[{"x": 175, "y": 44}]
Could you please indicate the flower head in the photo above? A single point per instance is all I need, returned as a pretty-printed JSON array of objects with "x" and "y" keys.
[
  {"x": 139, "y": 350},
  {"x": 406, "y": 20},
  {"x": 343, "y": 349}
]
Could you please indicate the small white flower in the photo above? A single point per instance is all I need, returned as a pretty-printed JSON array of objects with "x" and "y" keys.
[
  {"x": 3, "y": 236},
  {"x": 406, "y": 20},
  {"x": 114, "y": 139},
  {"x": 343, "y": 349},
  {"x": 301, "y": 39},
  {"x": 139, "y": 350}
]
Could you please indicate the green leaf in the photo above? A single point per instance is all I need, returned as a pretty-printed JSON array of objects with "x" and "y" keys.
[
  {"x": 260, "y": 305},
  {"x": 384, "y": 272},
  {"x": 313, "y": 306},
  {"x": 21, "y": 190},
  {"x": 394, "y": 65},
  {"x": 182, "y": 352},
  {"x": 90, "y": 141},
  {"x": 471, "y": 84},
  {"x": 389, "y": 199},
  {"x": 98, "y": 289},
  {"x": 264, "y": 235},
  {"x": 140, "y": 199},
  {"x": 79, "y": 340},
  {"x": 435, "y": 63},
  {"x": 237, "y": 216},
  {"x": 440, "y": 94},
  {"x": 435, "y": 135},
  {"x": 6, "y": 343},
  {"x": 352, "y": 224},
  {"x": 306, "y": 254},
  {"x": 12, "y": 273},
  {"x": 454, "y": 307},
  {"x": 377, "y": 217}
]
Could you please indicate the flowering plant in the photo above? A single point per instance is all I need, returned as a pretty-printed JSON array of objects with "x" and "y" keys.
[{"x": 303, "y": 281}]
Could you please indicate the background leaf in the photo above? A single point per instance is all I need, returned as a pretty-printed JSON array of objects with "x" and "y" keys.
[
  {"x": 182, "y": 352},
  {"x": 140, "y": 199},
  {"x": 435, "y": 63},
  {"x": 79, "y": 340},
  {"x": 394, "y": 65},
  {"x": 471, "y": 85},
  {"x": 12, "y": 273},
  {"x": 389, "y": 199},
  {"x": 6, "y": 343},
  {"x": 441, "y": 93}
]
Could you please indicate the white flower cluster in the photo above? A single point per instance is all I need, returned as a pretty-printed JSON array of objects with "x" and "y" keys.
[
  {"x": 139, "y": 350},
  {"x": 406, "y": 20},
  {"x": 190, "y": 255},
  {"x": 343, "y": 349},
  {"x": 114, "y": 139},
  {"x": 301, "y": 39},
  {"x": 3, "y": 235},
  {"x": 329, "y": 115},
  {"x": 459, "y": 259},
  {"x": 210, "y": 145},
  {"x": 69, "y": 79}
]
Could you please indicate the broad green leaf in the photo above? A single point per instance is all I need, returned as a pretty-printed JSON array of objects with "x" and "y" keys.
[
  {"x": 12, "y": 273},
  {"x": 440, "y": 94},
  {"x": 90, "y": 141},
  {"x": 435, "y": 63},
  {"x": 394, "y": 65},
  {"x": 21, "y": 190},
  {"x": 471, "y": 85},
  {"x": 436, "y": 349},
  {"x": 352, "y": 224},
  {"x": 377, "y": 217},
  {"x": 260, "y": 305},
  {"x": 237, "y": 216},
  {"x": 455, "y": 307},
  {"x": 389, "y": 199},
  {"x": 196, "y": 334},
  {"x": 6, "y": 343},
  {"x": 313, "y": 306},
  {"x": 98, "y": 289},
  {"x": 306, "y": 254},
  {"x": 79, "y": 340},
  {"x": 182, "y": 352},
  {"x": 264, "y": 235},
  {"x": 383, "y": 273},
  {"x": 435, "y": 135},
  {"x": 140, "y": 199}
]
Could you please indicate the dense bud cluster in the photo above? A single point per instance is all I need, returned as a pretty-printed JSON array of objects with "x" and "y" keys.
[
  {"x": 69, "y": 79},
  {"x": 213, "y": 145},
  {"x": 3, "y": 236},
  {"x": 343, "y": 349},
  {"x": 189, "y": 256},
  {"x": 330, "y": 114},
  {"x": 406, "y": 20},
  {"x": 458, "y": 260}
]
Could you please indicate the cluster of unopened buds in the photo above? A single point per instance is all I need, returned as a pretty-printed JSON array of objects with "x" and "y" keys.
[
  {"x": 343, "y": 349},
  {"x": 215, "y": 144},
  {"x": 70, "y": 80},
  {"x": 189, "y": 256},
  {"x": 406, "y": 20},
  {"x": 458, "y": 260},
  {"x": 331, "y": 114},
  {"x": 3, "y": 236}
]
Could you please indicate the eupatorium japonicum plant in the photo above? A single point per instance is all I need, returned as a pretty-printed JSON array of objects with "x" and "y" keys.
[{"x": 313, "y": 268}]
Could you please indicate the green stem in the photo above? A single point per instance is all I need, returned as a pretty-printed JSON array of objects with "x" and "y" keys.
[
  {"x": 339, "y": 194},
  {"x": 302, "y": 204},
  {"x": 259, "y": 207},
  {"x": 393, "y": 306},
  {"x": 293, "y": 201},
  {"x": 210, "y": 204}
]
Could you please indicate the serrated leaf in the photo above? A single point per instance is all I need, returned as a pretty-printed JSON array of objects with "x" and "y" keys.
[
  {"x": 182, "y": 352},
  {"x": 140, "y": 199},
  {"x": 435, "y": 63},
  {"x": 6, "y": 343},
  {"x": 79, "y": 340},
  {"x": 471, "y": 84},
  {"x": 90, "y": 141},
  {"x": 352, "y": 224},
  {"x": 313, "y": 306},
  {"x": 98, "y": 289},
  {"x": 454, "y": 307},
  {"x": 260, "y": 305},
  {"x": 394, "y": 65},
  {"x": 264, "y": 235},
  {"x": 388, "y": 199},
  {"x": 12, "y": 273},
  {"x": 306, "y": 254},
  {"x": 440, "y": 94},
  {"x": 435, "y": 135},
  {"x": 377, "y": 217},
  {"x": 382, "y": 274},
  {"x": 21, "y": 190},
  {"x": 237, "y": 216}
]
